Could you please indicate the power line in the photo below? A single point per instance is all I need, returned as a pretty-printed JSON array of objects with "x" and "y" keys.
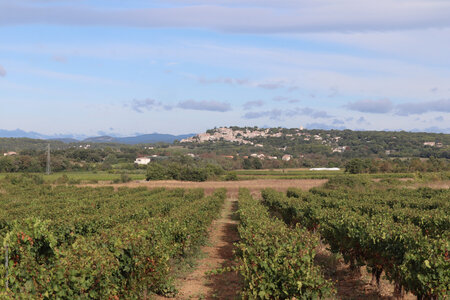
[{"x": 48, "y": 169}]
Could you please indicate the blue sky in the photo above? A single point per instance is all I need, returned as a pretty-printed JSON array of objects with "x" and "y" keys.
[{"x": 175, "y": 66}]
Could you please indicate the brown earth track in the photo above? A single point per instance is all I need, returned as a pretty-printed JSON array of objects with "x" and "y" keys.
[
  {"x": 435, "y": 185},
  {"x": 217, "y": 254},
  {"x": 255, "y": 186}
]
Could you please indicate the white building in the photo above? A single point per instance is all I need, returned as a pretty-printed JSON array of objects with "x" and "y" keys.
[
  {"x": 286, "y": 157},
  {"x": 142, "y": 160},
  {"x": 260, "y": 156},
  {"x": 9, "y": 153},
  {"x": 340, "y": 149}
]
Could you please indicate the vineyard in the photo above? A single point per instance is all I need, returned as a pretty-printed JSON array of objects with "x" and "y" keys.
[
  {"x": 65, "y": 242},
  {"x": 402, "y": 233},
  {"x": 276, "y": 262}
]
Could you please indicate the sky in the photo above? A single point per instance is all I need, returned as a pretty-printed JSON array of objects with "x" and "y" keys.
[{"x": 127, "y": 67}]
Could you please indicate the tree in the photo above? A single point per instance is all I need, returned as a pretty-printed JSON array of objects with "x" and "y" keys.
[
  {"x": 156, "y": 171},
  {"x": 357, "y": 166}
]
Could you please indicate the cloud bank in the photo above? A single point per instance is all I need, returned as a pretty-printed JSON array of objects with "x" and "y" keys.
[
  {"x": 278, "y": 114},
  {"x": 371, "y": 106},
  {"x": 205, "y": 105},
  {"x": 149, "y": 104},
  {"x": 250, "y": 104},
  {"x": 254, "y": 17},
  {"x": 146, "y": 104},
  {"x": 406, "y": 109}
]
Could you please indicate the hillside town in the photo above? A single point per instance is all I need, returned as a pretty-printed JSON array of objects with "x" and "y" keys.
[{"x": 246, "y": 135}]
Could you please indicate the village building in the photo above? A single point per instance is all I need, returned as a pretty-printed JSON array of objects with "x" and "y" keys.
[
  {"x": 286, "y": 157},
  {"x": 142, "y": 160},
  {"x": 9, "y": 153}
]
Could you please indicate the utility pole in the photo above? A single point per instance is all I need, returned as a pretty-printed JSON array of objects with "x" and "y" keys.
[{"x": 48, "y": 169}]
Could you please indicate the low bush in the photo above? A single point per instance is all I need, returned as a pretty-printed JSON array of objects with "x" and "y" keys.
[
  {"x": 345, "y": 181},
  {"x": 231, "y": 176},
  {"x": 184, "y": 172}
]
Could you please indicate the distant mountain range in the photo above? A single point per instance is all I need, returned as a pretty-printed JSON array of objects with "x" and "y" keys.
[
  {"x": 140, "y": 139},
  {"x": 132, "y": 140}
]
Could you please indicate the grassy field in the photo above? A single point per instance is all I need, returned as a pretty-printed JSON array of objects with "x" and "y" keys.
[
  {"x": 84, "y": 176},
  {"x": 307, "y": 174},
  {"x": 275, "y": 174}
]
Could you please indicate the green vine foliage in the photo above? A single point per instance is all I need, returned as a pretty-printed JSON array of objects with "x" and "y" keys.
[
  {"x": 100, "y": 244},
  {"x": 275, "y": 261},
  {"x": 403, "y": 232}
]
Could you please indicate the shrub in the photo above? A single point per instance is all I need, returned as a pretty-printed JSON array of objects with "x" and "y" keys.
[
  {"x": 357, "y": 166},
  {"x": 125, "y": 178},
  {"x": 74, "y": 181},
  {"x": 184, "y": 172},
  {"x": 347, "y": 182},
  {"x": 231, "y": 176},
  {"x": 62, "y": 179},
  {"x": 156, "y": 171},
  {"x": 25, "y": 179}
]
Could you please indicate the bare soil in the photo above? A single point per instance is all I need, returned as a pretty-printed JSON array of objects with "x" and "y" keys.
[
  {"x": 351, "y": 285},
  {"x": 255, "y": 186},
  {"x": 217, "y": 254},
  {"x": 445, "y": 184}
]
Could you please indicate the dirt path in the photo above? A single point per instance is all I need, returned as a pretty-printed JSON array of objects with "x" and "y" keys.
[
  {"x": 255, "y": 186},
  {"x": 218, "y": 253}
]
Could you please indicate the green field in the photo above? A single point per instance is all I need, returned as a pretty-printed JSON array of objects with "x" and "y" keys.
[
  {"x": 83, "y": 177},
  {"x": 97, "y": 176},
  {"x": 307, "y": 174}
]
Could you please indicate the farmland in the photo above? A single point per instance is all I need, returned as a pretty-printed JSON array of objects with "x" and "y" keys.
[
  {"x": 130, "y": 240},
  {"x": 68, "y": 242},
  {"x": 403, "y": 233}
]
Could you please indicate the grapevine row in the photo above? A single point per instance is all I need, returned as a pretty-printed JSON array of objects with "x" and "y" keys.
[
  {"x": 413, "y": 261},
  {"x": 119, "y": 258},
  {"x": 276, "y": 262}
]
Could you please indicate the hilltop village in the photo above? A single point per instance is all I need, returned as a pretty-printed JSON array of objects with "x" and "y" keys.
[{"x": 248, "y": 135}]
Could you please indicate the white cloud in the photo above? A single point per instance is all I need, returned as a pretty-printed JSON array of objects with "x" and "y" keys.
[
  {"x": 145, "y": 104},
  {"x": 251, "y": 104},
  {"x": 2, "y": 71},
  {"x": 205, "y": 105},
  {"x": 278, "y": 114},
  {"x": 59, "y": 58},
  {"x": 371, "y": 106},
  {"x": 406, "y": 109},
  {"x": 255, "y": 16}
]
